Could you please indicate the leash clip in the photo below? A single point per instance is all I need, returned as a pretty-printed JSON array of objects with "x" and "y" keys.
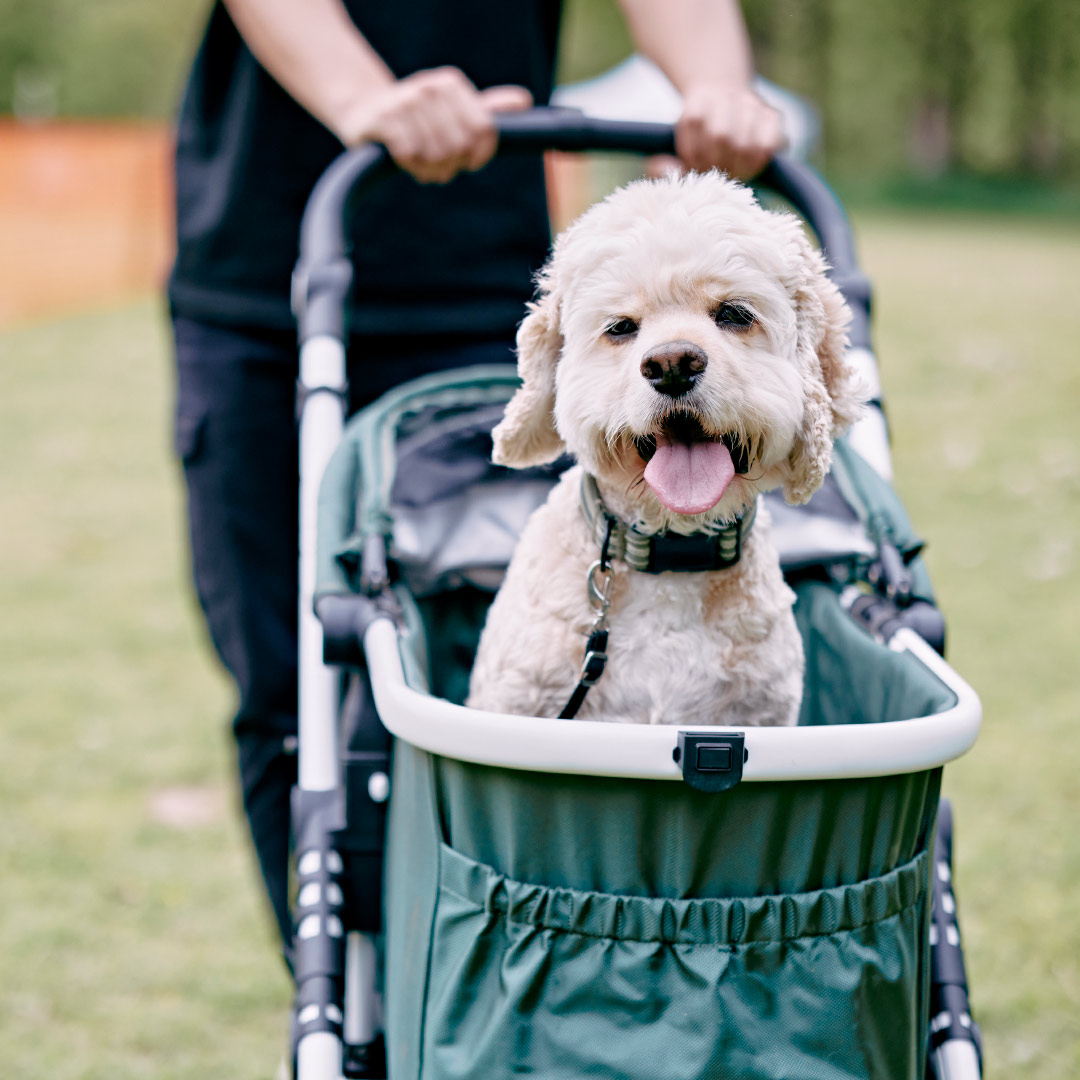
[
  {"x": 599, "y": 580},
  {"x": 598, "y": 589}
]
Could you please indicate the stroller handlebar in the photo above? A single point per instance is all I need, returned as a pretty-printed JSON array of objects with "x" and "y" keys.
[{"x": 323, "y": 276}]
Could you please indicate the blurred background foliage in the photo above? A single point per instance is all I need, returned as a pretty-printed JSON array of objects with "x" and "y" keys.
[
  {"x": 982, "y": 89},
  {"x": 104, "y": 58}
]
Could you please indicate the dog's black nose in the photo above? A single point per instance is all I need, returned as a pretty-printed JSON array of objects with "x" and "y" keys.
[{"x": 674, "y": 368}]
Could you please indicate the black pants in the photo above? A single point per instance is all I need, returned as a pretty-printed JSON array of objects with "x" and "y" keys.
[{"x": 236, "y": 436}]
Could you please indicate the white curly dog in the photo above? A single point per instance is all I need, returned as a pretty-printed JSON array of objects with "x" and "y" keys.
[{"x": 687, "y": 348}]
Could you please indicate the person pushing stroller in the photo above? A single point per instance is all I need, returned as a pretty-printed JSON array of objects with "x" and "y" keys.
[{"x": 444, "y": 273}]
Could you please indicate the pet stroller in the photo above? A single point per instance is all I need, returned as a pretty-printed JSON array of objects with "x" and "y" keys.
[{"x": 481, "y": 896}]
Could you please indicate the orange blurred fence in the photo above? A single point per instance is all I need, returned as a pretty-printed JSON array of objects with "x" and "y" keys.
[{"x": 85, "y": 213}]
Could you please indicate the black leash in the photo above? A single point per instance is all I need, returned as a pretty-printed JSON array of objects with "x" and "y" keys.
[
  {"x": 592, "y": 667},
  {"x": 660, "y": 553}
]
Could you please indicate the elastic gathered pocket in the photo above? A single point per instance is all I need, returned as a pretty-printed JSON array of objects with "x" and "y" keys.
[{"x": 527, "y": 979}]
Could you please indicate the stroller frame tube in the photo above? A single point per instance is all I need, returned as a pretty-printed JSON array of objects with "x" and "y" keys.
[
  {"x": 319, "y": 955},
  {"x": 956, "y": 1059},
  {"x": 647, "y": 752},
  {"x": 321, "y": 390},
  {"x": 318, "y": 1056}
]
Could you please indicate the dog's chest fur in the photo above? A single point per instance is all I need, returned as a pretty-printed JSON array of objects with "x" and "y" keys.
[{"x": 715, "y": 648}]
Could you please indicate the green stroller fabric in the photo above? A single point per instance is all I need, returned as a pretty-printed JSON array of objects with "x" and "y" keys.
[{"x": 562, "y": 926}]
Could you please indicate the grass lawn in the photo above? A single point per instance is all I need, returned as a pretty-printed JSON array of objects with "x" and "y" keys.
[
  {"x": 979, "y": 339},
  {"x": 132, "y": 938}
]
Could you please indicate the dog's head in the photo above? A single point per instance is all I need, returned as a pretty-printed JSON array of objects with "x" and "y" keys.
[{"x": 687, "y": 347}]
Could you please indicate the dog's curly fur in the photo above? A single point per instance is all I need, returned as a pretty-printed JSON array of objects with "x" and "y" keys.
[{"x": 686, "y": 648}]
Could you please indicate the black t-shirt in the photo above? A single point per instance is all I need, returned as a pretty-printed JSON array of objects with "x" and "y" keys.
[{"x": 429, "y": 259}]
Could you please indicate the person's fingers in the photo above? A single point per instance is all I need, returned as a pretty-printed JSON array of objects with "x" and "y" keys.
[
  {"x": 722, "y": 135},
  {"x": 402, "y": 142},
  {"x": 427, "y": 157},
  {"x": 479, "y": 117},
  {"x": 732, "y": 130},
  {"x": 705, "y": 144},
  {"x": 762, "y": 137},
  {"x": 770, "y": 129},
  {"x": 709, "y": 125},
  {"x": 771, "y": 134},
  {"x": 484, "y": 142},
  {"x": 451, "y": 132},
  {"x": 458, "y": 121},
  {"x": 437, "y": 111},
  {"x": 494, "y": 99},
  {"x": 436, "y": 143},
  {"x": 433, "y": 109},
  {"x": 506, "y": 98},
  {"x": 436, "y": 123},
  {"x": 690, "y": 133},
  {"x": 474, "y": 128},
  {"x": 742, "y": 153},
  {"x": 411, "y": 144}
]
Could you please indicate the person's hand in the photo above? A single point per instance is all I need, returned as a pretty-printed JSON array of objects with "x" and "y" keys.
[
  {"x": 728, "y": 128},
  {"x": 433, "y": 123}
]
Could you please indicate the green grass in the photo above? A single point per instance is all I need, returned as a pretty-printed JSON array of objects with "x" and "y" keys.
[
  {"x": 134, "y": 948},
  {"x": 129, "y": 947},
  {"x": 978, "y": 333}
]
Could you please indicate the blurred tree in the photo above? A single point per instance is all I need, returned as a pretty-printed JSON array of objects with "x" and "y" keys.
[
  {"x": 27, "y": 48},
  {"x": 990, "y": 87},
  {"x": 122, "y": 58},
  {"x": 593, "y": 38},
  {"x": 1032, "y": 31},
  {"x": 942, "y": 36}
]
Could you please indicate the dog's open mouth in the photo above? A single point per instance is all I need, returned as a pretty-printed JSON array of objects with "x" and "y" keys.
[{"x": 687, "y": 468}]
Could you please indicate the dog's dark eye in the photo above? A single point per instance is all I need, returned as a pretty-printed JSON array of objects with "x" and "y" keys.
[
  {"x": 621, "y": 328},
  {"x": 735, "y": 316}
]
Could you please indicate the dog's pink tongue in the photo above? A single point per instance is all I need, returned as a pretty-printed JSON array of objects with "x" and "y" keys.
[{"x": 689, "y": 478}]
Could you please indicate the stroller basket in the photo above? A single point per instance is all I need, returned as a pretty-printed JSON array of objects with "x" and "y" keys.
[
  {"x": 552, "y": 901},
  {"x": 569, "y": 898}
]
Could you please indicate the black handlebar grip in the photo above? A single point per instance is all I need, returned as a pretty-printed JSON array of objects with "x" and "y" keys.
[{"x": 322, "y": 280}]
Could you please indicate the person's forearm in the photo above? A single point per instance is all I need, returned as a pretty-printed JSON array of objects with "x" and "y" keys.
[
  {"x": 692, "y": 41},
  {"x": 315, "y": 51}
]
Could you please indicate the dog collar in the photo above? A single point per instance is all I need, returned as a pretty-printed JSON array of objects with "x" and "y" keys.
[{"x": 656, "y": 553}]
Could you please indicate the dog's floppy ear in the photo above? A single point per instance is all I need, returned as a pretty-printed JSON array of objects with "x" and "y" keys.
[
  {"x": 526, "y": 436},
  {"x": 833, "y": 397}
]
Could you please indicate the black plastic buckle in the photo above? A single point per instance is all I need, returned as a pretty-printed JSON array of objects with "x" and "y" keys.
[
  {"x": 592, "y": 667},
  {"x": 711, "y": 761}
]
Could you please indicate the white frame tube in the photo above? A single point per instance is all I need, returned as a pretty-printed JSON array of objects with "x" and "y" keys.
[
  {"x": 956, "y": 1059},
  {"x": 319, "y": 1057},
  {"x": 322, "y": 364},
  {"x": 361, "y": 1023},
  {"x": 868, "y": 434},
  {"x": 586, "y": 747}
]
